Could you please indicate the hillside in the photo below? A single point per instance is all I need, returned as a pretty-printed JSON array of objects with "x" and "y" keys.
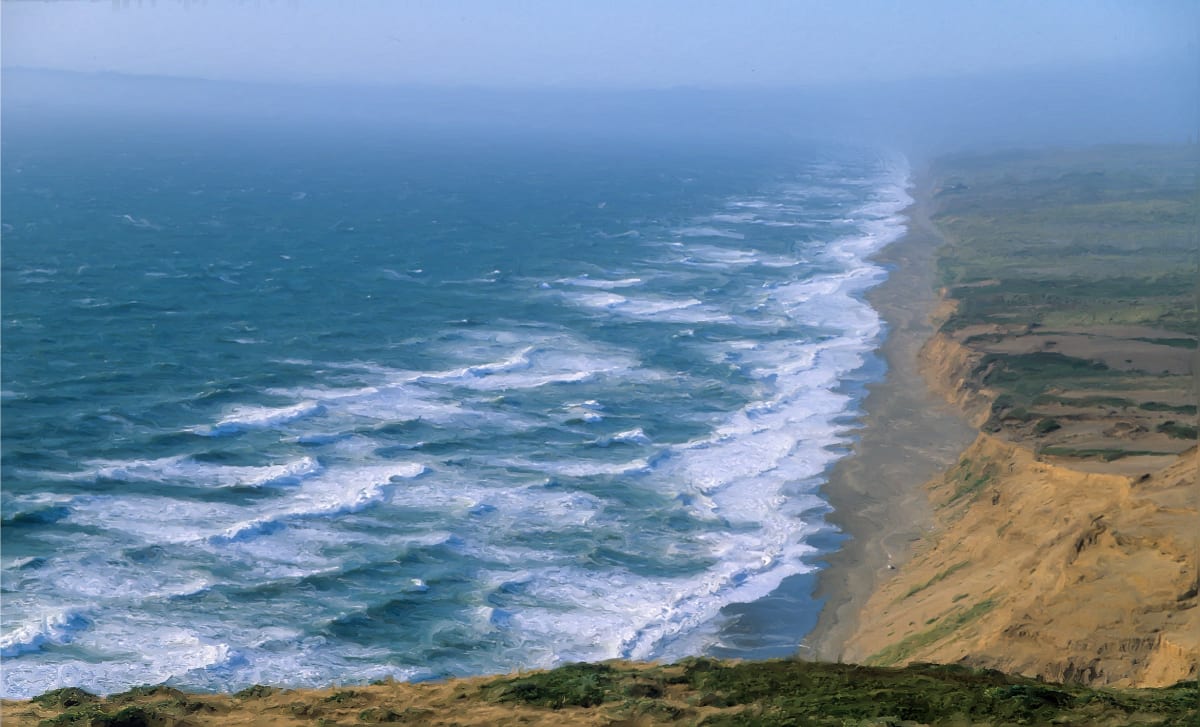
[{"x": 1064, "y": 542}]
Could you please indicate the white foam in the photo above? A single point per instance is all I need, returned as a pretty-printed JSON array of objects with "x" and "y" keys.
[
  {"x": 585, "y": 415},
  {"x": 576, "y": 619},
  {"x": 320, "y": 438},
  {"x": 154, "y": 520},
  {"x": 168, "y": 520},
  {"x": 401, "y": 401},
  {"x": 54, "y": 627},
  {"x": 162, "y": 653},
  {"x": 246, "y": 418},
  {"x": 519, "y": 361},
  {"x": 754, "y": 204},
  {"x": 202, "y": 474},
  {"x": 710, "y": 257},
  {"x": 538, "y": 366},
  {"x": 335, "y": 494},
  {"x": 584, "y": 281},
  {"x": 651, "y": 308},
  {"x": 741, "y": 473},
  {"x": 738, "y": 217},
  {"x": 701, "y": 231},
  {"x": 599, "y": 300},
  {"x": 631, "y": 436},
  {"x": 81, "y": 576},
  {"x": 139, "y": 222},
  {"x": 583, "y": 468},
  {"x": 31, "y": 561}
]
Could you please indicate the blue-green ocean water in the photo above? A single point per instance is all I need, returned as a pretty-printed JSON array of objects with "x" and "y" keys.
[{"x": 314, "y": 409}]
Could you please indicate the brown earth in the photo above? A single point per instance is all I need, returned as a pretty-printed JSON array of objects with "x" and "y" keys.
[
  {"x": 1129, "y": 416},
  {"x": 1070, "y": 568},
  {"x": 1042, "y": 569}
]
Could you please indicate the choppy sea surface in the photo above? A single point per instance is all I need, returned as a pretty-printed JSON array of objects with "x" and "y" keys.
[{"x": 309, "y": 410}]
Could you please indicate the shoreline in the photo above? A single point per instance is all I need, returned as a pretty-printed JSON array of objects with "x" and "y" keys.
[{"x": 907, "y": 435}]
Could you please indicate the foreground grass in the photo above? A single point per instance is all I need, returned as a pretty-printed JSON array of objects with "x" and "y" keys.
[{"x": 694, "y": 692}]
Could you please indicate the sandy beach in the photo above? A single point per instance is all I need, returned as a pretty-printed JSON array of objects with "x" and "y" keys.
[{"x": 908, "y": 435}]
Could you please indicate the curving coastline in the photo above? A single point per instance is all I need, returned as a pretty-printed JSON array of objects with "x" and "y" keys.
[{"x": 909, "y": 433}]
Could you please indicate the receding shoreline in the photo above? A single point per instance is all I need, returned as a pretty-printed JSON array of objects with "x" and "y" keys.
[
  {"x": 908, "y": 435},
  {"x": 1070, "y": 573}
]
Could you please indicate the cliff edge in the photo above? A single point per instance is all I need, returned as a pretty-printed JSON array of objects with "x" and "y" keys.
[
  {"x": 1040, "y": 569},
  {"x": 1064, "y": 541}
]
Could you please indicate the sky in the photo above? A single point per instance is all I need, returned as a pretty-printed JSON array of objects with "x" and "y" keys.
[{"x": 609, "y": 44}]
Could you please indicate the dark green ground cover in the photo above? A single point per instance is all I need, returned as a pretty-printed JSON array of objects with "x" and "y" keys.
[
  {"x": 1105, "y": 235},
  {"x": 702, "y": 691},
  {"x": 787, "y": 692}
]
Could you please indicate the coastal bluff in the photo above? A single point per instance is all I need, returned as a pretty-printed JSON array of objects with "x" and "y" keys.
[
  {"x": 1063, "y": 543},
  {"x": 1040, "y": 569}
]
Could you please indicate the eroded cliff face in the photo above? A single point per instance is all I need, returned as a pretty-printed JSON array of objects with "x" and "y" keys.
[
  {"x": 1042, "y": 569},
  {"x": 948, "y": 366}
]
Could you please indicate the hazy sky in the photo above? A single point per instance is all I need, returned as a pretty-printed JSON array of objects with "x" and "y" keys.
[{"x": 600, "y": 44}]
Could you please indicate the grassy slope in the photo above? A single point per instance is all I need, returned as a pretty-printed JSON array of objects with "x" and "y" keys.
[
  {"x": 1074, "y": 281},
  {"x": 695, "y": 691}
]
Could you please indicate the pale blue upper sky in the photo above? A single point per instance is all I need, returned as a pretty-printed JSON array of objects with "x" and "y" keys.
[{"x": 601, "y": 44}]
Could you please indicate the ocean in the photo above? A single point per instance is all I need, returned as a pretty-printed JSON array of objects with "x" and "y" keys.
[{"x": 317, "y": 408}]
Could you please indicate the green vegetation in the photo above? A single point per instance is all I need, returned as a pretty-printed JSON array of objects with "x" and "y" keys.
[
  {"x": 573, "y": 685},
  {"x": 258, "y": 691},
  {"x": 1177, "y": 342},
  {"x": 1027, "y": 375},
  {"x": 1092, "y": 244},
  {"x": 66, "y": 698},
  {"x": 1047, "y": 425},
  {"x": 1159, "y": 406},
  {"x": 93, "y": 716},
  {"x": 937, "y": 578},
  {"x": 341, "y": 696},
  {"x": 945, "y": 626},
  {"x": 1105, "y": 455},
  {"x": 1083, "y": 401},
  {"x": 697, "y": 691},
  {"x": 1177, "y": 430},
  {"x": 1077, "y": 231},
  {"x": 969, "y": 478}
]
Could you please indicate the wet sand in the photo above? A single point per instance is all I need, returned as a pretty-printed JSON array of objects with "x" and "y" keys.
[{"x": 909, "y": 435}]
